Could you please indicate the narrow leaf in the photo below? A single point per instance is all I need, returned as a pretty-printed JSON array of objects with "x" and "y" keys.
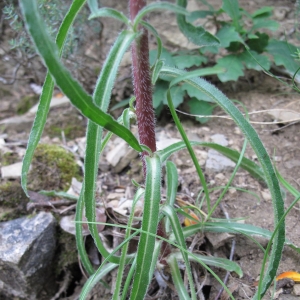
[
  {"x": 158, "y": 5},
  {"x": 45, "y": 98},
  {"x": 109, "y": 12},
  {"x": 217, "y": 262},
  {"x": 264, "y": 159},
  {"x": 146, "y": 245},
  {"x": 101, "y": 96},
  {"x": 69, "y": 86}
]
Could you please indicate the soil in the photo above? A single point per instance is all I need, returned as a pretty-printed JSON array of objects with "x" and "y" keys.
[{"x": 257, "y": 92}]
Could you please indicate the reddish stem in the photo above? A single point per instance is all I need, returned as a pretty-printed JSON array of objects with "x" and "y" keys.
[
  {"x": 143, "y": 94},
  {"x": 142, "y": 83}
]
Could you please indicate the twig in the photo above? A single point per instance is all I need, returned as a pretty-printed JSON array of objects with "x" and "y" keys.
[
  {"x": 53, "y": 204},
  {"x": 231, "y": 254},
  {"x": 282, "y": 127}
]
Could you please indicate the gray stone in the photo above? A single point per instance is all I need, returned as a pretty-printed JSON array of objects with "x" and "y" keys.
[
  {"x": 296, "y": 290},
  {"x": 219, "y": 139},
  {"x": 27, "y": 247},
  {"x": 216, "y": 162},
  {"x": 12, "y": 171}
]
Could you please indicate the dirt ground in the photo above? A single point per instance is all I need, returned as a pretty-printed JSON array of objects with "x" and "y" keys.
[{"x": 257, "y": 92}]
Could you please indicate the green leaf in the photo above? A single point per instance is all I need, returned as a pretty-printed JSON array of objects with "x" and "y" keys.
[
  {"x": 149, "y": 27},
  {"x": 177, "y": 279},
  {"x": 118, "y": 285},
  {"x": 159, "y": 94},
  {"x": 165, "y": 56},
  {"x": 255, "y": 61},
  {"x": 93, "y": 280},
  {"x": 234, "y": 68},
  {"x": 198, "y": 14},
  {"x": 68, "y": 85},
  {"x": 263, "y": 12},
  {"x": 93, "y": 5},
  {"x": 232, "y": 8},
  {"x": 198, "y": 107},
  {"x": 149, "y": 226},
  {"x": 247, "y": 164},
  {"x": 101, "y": 98},
  {"x": 197, "y": 35},
  {"x": 156, "y": 70},
  {"x": 264, "y": 159},
  {"x": 194, "y": 92},
  {"x": 231, "y": 227},
  {"x": 177, "y": 94},
  {"x": 227, "y": 35},
  {"x": 111, "y": 13},
  {"x": 282, "y": 53},
  {"x": 187, "y": 61},
  {"x": 213, "y": 261},
  {"x": 260, "y": 43},
  {"x": 171, "y": 214},
  {"x": 158, "y": 5},
  {"x": 264, "y": 23},
  {"x": 46, "y": 96}
]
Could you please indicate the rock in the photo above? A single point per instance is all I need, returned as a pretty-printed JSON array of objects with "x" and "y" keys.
[
  {"x": 27, "y": 247},
  {"x": 115, "y": 155},
  {"x": 296, "y": 289},
  {"x": 266, "y": 195},
  {"x": 121, "y": 156},
  {"x": 217, "y": 162},
  {"x": 219, "y": 139},
  {"x": 12, "y": 171},
  {"x": 218, "y": 239}
]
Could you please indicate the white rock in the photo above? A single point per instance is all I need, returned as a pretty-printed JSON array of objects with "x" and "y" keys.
[
  {"x": 115, "y": 155},
  {"x": 217, "y": 162},
  {"x": 266, "y": 195},
  {"x": 12, "y": 171}
]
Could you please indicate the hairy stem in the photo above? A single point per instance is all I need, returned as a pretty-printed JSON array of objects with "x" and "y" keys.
[{"x": 142, "y": 83}]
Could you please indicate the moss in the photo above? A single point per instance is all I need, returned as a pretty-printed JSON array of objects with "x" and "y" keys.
[
  {"x": 8, "y": 158},
  {"x": 13, "y": 201},
  {"x": 52, "y": 168},
  {"x": 71, "y": 131},
  {"x": 67, "y": 254},
  {"x": 26, "y": 103}
]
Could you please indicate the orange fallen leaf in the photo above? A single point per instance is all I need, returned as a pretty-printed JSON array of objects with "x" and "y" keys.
[
  {"x": 289, "y": 274},
  {"x": 189, "y": 222}
]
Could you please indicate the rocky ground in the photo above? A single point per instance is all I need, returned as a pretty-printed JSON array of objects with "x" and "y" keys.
[{"x": 248, "y": 199}]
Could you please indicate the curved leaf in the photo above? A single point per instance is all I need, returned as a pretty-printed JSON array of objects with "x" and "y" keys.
[
  {"x": 69, "y": 86},
  {"x": 45, "y": 98},
  {"x": 101, "y": 96},
  {"x": 158, "y": 5},
  {"x": 213, "y": 261},
  {"x": 146, "y": 245},
  {"x": 263, "y": 157},
  {"x": 109, "y": 12}
]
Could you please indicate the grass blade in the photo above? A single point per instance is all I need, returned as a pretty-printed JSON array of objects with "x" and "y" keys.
[
  {"x": 149, "y": 225},
  {"x": 45, "y": 98},
  {"x": 68, "y": 85},
  {"x": 217, "y": 262},
  {"x": 177, "y": 229},
  {"x": 176, "y": 276},
  {"x": 263, "y": 157}
]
